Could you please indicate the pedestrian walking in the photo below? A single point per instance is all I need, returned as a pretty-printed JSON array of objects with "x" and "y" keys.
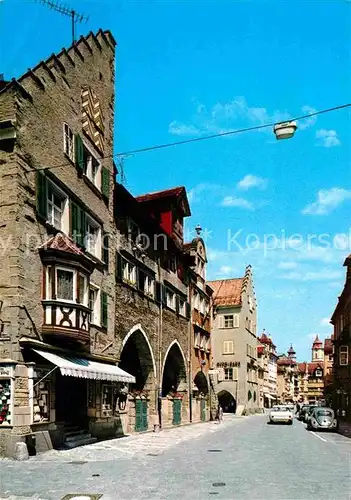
[{"x": 220, "y": 414}]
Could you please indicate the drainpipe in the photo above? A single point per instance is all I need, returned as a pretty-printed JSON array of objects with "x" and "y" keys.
[
  {"x": 190, "y": 336},
  {"x": 159, "y": 389}
]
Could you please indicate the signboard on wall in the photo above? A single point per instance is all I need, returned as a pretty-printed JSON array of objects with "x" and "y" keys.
[{"x": 228, "y": 364}]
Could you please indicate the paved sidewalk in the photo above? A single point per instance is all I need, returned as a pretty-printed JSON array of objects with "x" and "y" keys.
[
  {"x": 141, "y": 445},
  {"x": 345, "y": 429}
]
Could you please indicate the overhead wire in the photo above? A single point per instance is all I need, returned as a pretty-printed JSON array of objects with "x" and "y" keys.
[{"x": 203, "y": 138}]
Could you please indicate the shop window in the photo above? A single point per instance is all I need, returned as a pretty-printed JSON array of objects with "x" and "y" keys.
[
  {"x": 41, "y": 396},
  {"x": 109, "y": 400},
  {"x": 5, "y": 402}
]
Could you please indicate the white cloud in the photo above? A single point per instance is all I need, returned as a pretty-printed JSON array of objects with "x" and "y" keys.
[
  {"x": 194, "y": 195},
  {"x": 233, "y": 201},
  {"x": 327, "y": 201},
  {"x": 325, "y": 322},
  {"x": 224, "y": 117},
  {"x": 307, "y": 122},
  {"x": 327, "y": 138},
  {"x": 226, "y": 271},
  {"x": 177, "y": 128},
  {"x": 287, "y": 265},
  {"x": 250, "y": 181},
  {"x": 312, "y": 276}
]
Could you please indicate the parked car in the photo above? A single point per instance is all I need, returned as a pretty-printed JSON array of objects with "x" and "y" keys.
[
  {"x": 322, "y": 418},
  {"x": 308, "y": 413},
  {"x": 280, "y": 414},
  {"x": 303, "y": 410}
]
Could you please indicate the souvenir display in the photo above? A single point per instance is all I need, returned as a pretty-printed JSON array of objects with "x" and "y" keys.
[{"x": 5, "y": 402}]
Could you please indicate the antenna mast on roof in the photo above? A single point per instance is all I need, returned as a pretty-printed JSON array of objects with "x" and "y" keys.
[{"x": 66, "y": 11}]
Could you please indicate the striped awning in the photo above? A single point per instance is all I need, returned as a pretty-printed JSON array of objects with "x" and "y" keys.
[{"x": 73, "y": 366}]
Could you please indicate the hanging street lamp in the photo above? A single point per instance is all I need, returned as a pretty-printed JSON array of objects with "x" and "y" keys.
[{"x": 285, "y": 130}]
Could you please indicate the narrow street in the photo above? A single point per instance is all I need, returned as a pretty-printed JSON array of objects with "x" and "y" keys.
[{"x": 241, "y": 458}]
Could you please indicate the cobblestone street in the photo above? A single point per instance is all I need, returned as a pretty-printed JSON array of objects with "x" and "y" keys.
[{"x": 241, "y": 458}]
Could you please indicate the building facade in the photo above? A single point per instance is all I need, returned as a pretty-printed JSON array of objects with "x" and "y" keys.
[
  {"x": 95, "y": 317},
  {"x": 267, "y": 375},
  {"x": 202, "y": 390},
  {"x": 341, "y": 321},
  {"x": 287, "y": 377},
  {"x": 234, "y": 343}
]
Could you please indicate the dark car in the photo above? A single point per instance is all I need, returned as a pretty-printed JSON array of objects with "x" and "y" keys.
[
  {"x": 303, "y": 410},
  {"x": 309, "y": 412},
  {"x": 322, "y": 419}
]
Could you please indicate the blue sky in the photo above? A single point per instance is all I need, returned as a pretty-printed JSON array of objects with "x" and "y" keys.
[{"x": 190, "y": 68}]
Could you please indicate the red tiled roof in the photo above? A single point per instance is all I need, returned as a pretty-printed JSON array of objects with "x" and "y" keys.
[
  {"x": 161, "y": 194},
  {"x": 302, "y": 367},
  {"x": 264, "y": 339},
  {"x": 311, "y": 367},
  {"x": 317, "y": 342},
  {"x": 284, "y": 361},
  {"x": 62, "y": 243},
  {"x": 227, "y": 292}
]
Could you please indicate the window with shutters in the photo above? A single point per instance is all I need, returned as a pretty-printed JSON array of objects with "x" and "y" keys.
[
  {"x": 228, "y": 347},
  {"x": 170, "y": 299},
  {"x": 94, "y": 304},
  {"x": 181, "y": 307},
  {"x": 66, "y": 285},
  {"x": 93, "y": 237},
  {"x": 91, "y": 167},
  {"x": 149, "y": 286},
  {"x": 343, "y": 355},
  {"x": 57, "y": 207},
  {"x": 68, "y": 141},
  {"x": 228, "y": 321},
  {"x": 128, "y": 272}
]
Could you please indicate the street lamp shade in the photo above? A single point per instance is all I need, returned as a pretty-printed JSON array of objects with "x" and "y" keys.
[{"x": 285, "y": 130}]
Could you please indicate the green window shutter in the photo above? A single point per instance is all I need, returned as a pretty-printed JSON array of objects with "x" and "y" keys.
[
  {"x": 105, "y": 182},
  {"x": 78, "y": 224},
  {"x": 187, "y": 310},
  {"x": 141, "y": 280},
  {"x": 83, "y": 227},
  {"x": 105, "y": 248},
  {"x": 118, "y": 267},
  {"x": 79, "y": 149},
  {"x": 104, "y": 311},
  {"x": 74, "y": 221},
  {"x": 177, "y": 305},
  {"x": 42, "y": 194}
]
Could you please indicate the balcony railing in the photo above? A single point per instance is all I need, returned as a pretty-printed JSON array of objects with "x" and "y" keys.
[{"x": 66, "y": 321}]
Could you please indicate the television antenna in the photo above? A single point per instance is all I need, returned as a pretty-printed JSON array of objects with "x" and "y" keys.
[{"x": 65, "y": 10}]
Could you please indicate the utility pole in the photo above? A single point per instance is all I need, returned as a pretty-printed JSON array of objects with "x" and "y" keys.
[{"x": 66, "y": 11}]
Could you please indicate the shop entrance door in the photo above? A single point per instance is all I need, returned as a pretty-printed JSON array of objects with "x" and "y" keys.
[{"x": 71, "y": 400}]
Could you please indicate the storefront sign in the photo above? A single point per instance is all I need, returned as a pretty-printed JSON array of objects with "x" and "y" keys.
[{"x": 228, "y": 364}]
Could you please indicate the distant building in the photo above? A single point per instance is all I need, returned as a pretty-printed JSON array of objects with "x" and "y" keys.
[
  {"x": 234, "y": 342},
  {"x": 267, "y": 372},
  {"x": 341, "y": 320},
  {"x": 287, "y": 378}
]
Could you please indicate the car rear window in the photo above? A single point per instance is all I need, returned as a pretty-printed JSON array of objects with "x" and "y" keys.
[{"x": 324, "y": 413}]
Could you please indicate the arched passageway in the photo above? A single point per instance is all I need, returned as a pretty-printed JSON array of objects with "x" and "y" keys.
[
  {"x": 201, "y": 383},
  {"x": 227, "y": 402},
  {"x": 138, "y": 360},
  {"x": 174, "y": 370}
]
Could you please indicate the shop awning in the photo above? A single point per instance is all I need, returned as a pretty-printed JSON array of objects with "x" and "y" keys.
[
  {"x": 73, "y": 366},
  {"x": 269, "y": 396}
]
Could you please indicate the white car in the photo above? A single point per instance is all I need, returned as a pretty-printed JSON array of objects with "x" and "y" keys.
[{"x": 281, "y": 414}]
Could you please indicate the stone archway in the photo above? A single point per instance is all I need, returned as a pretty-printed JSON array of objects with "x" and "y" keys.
[
  {"x": 227, "y": 401},
  {"x": 174, "y": 370},
  {"x": 201, "y": 383},
  {"x": 137, "y": 358}
]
